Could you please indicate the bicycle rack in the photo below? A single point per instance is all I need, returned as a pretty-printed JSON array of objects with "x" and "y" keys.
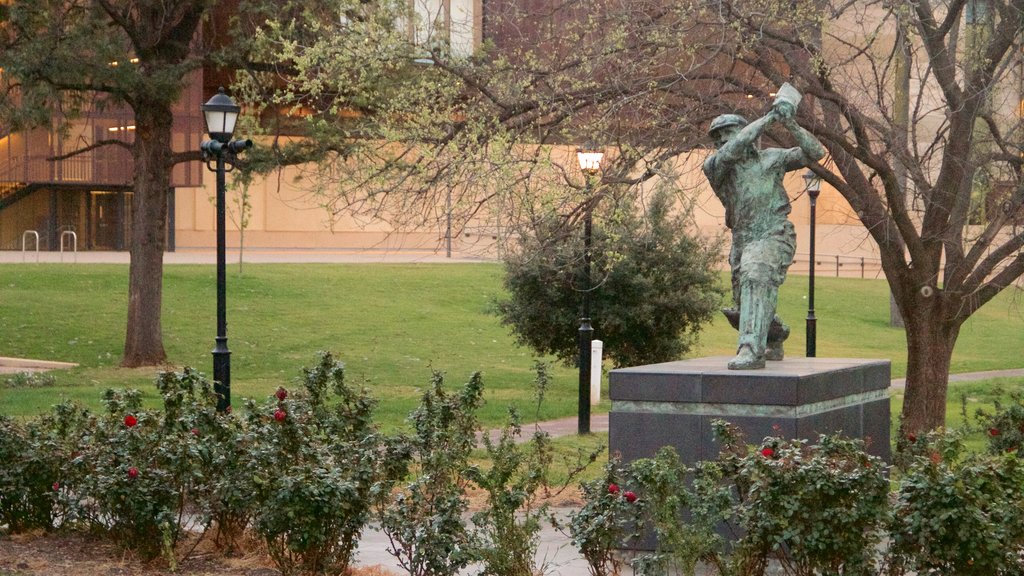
[
  {"x": 74, "y": 243},
  {"x": 25, "y": 235}
]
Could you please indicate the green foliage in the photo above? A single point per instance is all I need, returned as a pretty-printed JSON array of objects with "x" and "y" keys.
[
  {"x": 1004, "y": 429},
  {"x": 606, "y": 521},
  {"x": 681, "y": 545},
  {"x": 653, "y": 287},
  {"x": 802, "y": 509},
  {"x": 136, "y": 468},
  {"x": 302, "y": 470},
  {"x": 314, "y": 470},
  {"x": 33, "y": 477},
  {"x": 817, "y": 508},
  {"x": 508, "y": 527},
  {"x": 958, "y": 513},
  {"x": 424, "y": 520}
]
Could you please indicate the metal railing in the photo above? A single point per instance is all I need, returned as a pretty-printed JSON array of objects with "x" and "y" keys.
[
  {"x": 74, "y": 243},
  {"x": 839, "y": 266},
  {"x": 24, "y": 235}
]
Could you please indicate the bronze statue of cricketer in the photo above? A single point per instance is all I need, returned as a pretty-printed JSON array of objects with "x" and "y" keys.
[{"x": 748, "y": 181}]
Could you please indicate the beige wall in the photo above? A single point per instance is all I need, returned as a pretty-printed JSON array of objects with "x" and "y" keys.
[{"x": 286, "y": 215}]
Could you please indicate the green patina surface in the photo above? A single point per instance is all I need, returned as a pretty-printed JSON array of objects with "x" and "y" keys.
[{"x": 733, "y": 410}]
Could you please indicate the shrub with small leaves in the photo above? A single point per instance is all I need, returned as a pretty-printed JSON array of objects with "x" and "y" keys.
[
  {"x": 958, "y": 513},
  {"x": 816, "y": 508},
  {"x": 516, "y": 479},
  {"x": 606, "y": 521},
  {"x": 125, "y": 486},
  {"x": 1004, "y": 429},
  {"x": 424, "y": 521},
  {"x": 34, "y": 477},
  {"x": 672, "y": 491},
  {"x": 144, "y": 476},
  {"x": 313, "y": 468}
]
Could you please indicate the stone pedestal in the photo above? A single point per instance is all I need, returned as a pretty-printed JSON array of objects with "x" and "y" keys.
[{"x": 673, "y": 404}]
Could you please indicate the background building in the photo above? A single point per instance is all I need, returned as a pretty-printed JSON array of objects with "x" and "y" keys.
[{"x": 44, "y": 191}]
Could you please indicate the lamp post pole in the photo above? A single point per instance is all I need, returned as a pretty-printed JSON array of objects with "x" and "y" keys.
[
  {"x": 813, "y": 189},
  {"x": 589, "y": 159},
  {"x": 221, "y": 354},
  {"x": 221, "y": 113},
  {"x": 586, "y": 332}
]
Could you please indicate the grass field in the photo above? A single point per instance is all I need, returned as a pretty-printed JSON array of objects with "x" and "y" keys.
[{"x": 391, "y": 324}]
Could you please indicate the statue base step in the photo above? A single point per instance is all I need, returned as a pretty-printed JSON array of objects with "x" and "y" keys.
[{"x": 673, "y": 404}]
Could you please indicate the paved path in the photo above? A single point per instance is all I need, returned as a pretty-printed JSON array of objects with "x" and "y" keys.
[{"x": 251, "y": 256}]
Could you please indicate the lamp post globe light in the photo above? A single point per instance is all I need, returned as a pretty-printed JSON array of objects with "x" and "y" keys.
[
  {"x": 589, "y": 159},
  {"x": 221, "y": 113},
  {"x": 813, "y": 186}
]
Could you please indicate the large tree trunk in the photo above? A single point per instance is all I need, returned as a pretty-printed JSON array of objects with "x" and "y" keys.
[
  {"x": 144, "y": 344},
  {"x": 930, "y": 343}
]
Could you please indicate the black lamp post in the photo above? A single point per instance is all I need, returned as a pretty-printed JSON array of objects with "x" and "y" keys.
[
  {"x": 813, "y": 189},
  {"x": 589, "y": 159},
  {"x": 221, "y": 113}
]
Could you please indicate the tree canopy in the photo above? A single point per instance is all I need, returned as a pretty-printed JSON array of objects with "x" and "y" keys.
[{"x": 62, "y": 58}]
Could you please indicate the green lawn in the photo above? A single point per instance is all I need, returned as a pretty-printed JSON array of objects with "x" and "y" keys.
[{"x": 391, "y": 325}]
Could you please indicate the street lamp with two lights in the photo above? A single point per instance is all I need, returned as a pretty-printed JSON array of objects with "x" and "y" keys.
[{"x": 221, "y": 114}]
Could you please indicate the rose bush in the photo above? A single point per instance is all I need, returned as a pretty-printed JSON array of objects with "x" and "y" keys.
[
  {"x": 314, "y": 466},
  {"x": 958, "y": 513}
]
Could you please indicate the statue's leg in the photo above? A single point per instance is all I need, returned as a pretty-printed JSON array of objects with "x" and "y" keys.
[
  {"x": 755, "y": 318},
  {"x": 759, "y": 293},
  {"x": 782, "y": 247},
  {"x": 777, "y": 334},
  {"x": 733, "y": 314}
]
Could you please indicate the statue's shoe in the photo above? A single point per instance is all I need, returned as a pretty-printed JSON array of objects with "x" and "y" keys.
[{"x": 746, "y": 359}]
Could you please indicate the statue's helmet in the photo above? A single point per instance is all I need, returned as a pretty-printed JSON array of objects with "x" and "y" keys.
[{"x": 725, "y": 121}]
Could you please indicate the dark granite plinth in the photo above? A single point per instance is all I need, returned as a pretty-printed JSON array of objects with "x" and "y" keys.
[{"x": 673, "y": 404}]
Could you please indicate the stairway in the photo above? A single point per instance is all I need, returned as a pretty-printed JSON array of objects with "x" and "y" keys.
[{"x": 11, "y": 192}]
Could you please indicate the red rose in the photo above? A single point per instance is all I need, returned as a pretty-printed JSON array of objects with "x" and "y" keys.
[
  {"x": 56, "y": 486},
  {"x": 613, "y": 488},
  {"x": 767, "y": 452},
  {"x": 227, "y": 410},
  {"x": 912, "y": 437},
  {"x": 133, "y": 472},
  {"x": 993, "y": 432},
  {"x": 281, "y": 394},
  {"x": 195, "y": 431},
  {"x": 935, "y": 457},
  {"x": 630, "y": 497},
  {"x": 280, "y": 415},
  {"x": 130, "y": 421}
]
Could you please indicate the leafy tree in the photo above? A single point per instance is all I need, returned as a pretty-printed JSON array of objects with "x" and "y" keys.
[
  {"x": 57, "y": 60},
  {"x": 654, "y": 286},
  {"x": 58, "y": 55}
]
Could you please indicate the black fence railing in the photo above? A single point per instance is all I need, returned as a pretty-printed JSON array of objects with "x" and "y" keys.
[{"x": 838, "y": 266}]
